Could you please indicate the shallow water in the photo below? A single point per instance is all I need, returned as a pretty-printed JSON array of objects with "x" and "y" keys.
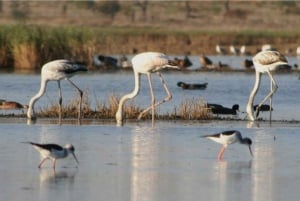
[
  {"x": 137, "y": 162},
  {"x": 168, "y": 162},
  {"x": 223, "y": 88}
]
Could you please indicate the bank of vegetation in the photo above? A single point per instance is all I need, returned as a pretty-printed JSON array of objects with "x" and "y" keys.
[{"x": 30, "y": 46}]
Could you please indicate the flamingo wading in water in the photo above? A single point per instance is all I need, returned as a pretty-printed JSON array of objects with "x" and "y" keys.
[
  {"x": 264, "y": 62},
  {"x": 56, "y": 71},
  {"x": 146, "y": 63}
]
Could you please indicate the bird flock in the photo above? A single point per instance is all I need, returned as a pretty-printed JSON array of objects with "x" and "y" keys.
[
  {"x": 265, "y": 61},
  {"x": 149, "y": 63}
]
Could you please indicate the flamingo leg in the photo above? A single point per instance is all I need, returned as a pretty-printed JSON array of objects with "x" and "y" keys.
[
  {"x": 80, "y": 102},
  {"x": 152, "y": 97},
  {"x": 60, "y": 99},
  {"x": 167, "y": 98},
  {"x": 274, "y": 88},
  {"x": 221, "y": 152},
  {"x": 42, "y": 161}
]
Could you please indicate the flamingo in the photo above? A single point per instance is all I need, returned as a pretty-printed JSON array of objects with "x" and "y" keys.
[
  {"x": 264, "y": 62},
  {"x": 56, "y": 71},
  {"x": 146, "y": 63}
]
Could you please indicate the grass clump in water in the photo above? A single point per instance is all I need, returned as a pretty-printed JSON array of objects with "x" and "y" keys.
[{"x": 190, "y": 109}]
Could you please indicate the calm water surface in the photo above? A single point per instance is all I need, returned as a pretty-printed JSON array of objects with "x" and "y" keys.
[{"x": 139, "y": 163}]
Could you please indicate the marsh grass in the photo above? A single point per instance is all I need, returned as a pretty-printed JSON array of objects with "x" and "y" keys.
[
  {"x": 24, "y": 46},
  {"x": 190, "y": 109}
]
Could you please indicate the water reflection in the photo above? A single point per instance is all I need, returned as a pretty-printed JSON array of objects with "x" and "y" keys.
[
  {"x": 263, "y": 166},
  {"x": 60, "y": 183},
  {"x": 144, "y": 159},
  {"x": 49, "y": 176}
]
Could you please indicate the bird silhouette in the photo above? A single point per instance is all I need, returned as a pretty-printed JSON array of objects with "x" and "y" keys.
[
  {"x": 57, "y": 70},
  {"x": 184, "y": 85},
  {"x": 219, "y": 109},
  {"x": 146, "y": 63},
  {"x": 264, "y": 62}
]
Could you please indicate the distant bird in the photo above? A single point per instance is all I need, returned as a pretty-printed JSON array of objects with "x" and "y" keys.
[
  {"x": 57, "y": 70},
  {"x": 264, "y": 62},
  {"x": 229, "y": 137},
  {"x": 11, "y": 105},
  {"x": 205, "y": 61},
  {"x": 192, "y": 86},
  {"x": 298, "y": 51},
  {"x": 183, "y": 63},
  {"x": 262, "y": 108},
  {"x": 147, "y": 63},
  {"x": 243, "y": 50},
  {"x": 220, "y": 49},
  {"x": 234, "y": 50},
  {"x": 222, "y": 65},
  {"x": 53, "y": 152},
  {"x": 248, "y": 63},
  {"x": 267, "y": 47},
  {"x": 105, "y": 61},
  {"x": 124, "y": 62},
  {"x": 219, "y": 109}
]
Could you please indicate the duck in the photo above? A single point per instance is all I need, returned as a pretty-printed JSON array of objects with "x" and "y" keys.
[
  {"x": 192, "y": 86},
  {"x": 263, "y": 108},
  {"x": 219, "y": 109},
  {"x": 105, "y": 61},
  {"x": 205, "y": 61},
  {"x": 248, "y": 63},
  {"x": 183, "y": 63},
  {"x": 11, "y": 105}
]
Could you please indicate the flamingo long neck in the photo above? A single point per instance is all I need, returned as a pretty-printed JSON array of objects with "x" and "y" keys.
[
  {"x": 134, "y": 93},
  {"x": 252, "y": 95},
  {"x": 30, "y": 112}
]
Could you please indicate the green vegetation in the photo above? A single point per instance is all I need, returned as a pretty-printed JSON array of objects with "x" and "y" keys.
[{"x": 24, "y": 46}]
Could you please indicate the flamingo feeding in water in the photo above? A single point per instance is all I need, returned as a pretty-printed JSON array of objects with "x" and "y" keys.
[
  {"x": 56, "y": 71},
  {"x": 146, "y": 63},
  {"x": 264, "y": 62}
]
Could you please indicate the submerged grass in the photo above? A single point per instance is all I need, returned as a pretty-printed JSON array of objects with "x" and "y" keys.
[{"x": 191, "y": 109}]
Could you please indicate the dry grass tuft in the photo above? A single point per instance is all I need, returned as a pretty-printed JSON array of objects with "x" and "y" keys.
[
  {"x": 194, "y": 109},
  {"x": 190, "y": 109}
]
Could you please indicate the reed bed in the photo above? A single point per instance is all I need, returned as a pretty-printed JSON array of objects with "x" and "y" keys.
[
  {"x": 30, "y": 46},
  {"x": 190, "y": 109}
]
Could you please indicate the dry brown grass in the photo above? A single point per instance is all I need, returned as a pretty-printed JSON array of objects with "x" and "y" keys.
[
  {"x": 191, "y": 109},
  {"x": 25, "y": 55}
]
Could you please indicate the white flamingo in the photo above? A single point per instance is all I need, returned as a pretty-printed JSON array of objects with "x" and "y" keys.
[
  {"x": 146, "y": 63},
  {"x": 264, "y": 62},
  {"x": 56, "y": 71}
]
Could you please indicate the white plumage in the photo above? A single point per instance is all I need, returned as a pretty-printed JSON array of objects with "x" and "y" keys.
[
  {"x": 55, "y": 71},
  {"x": 146, "y": 63},
  {"x": 264, "y": 62}
]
